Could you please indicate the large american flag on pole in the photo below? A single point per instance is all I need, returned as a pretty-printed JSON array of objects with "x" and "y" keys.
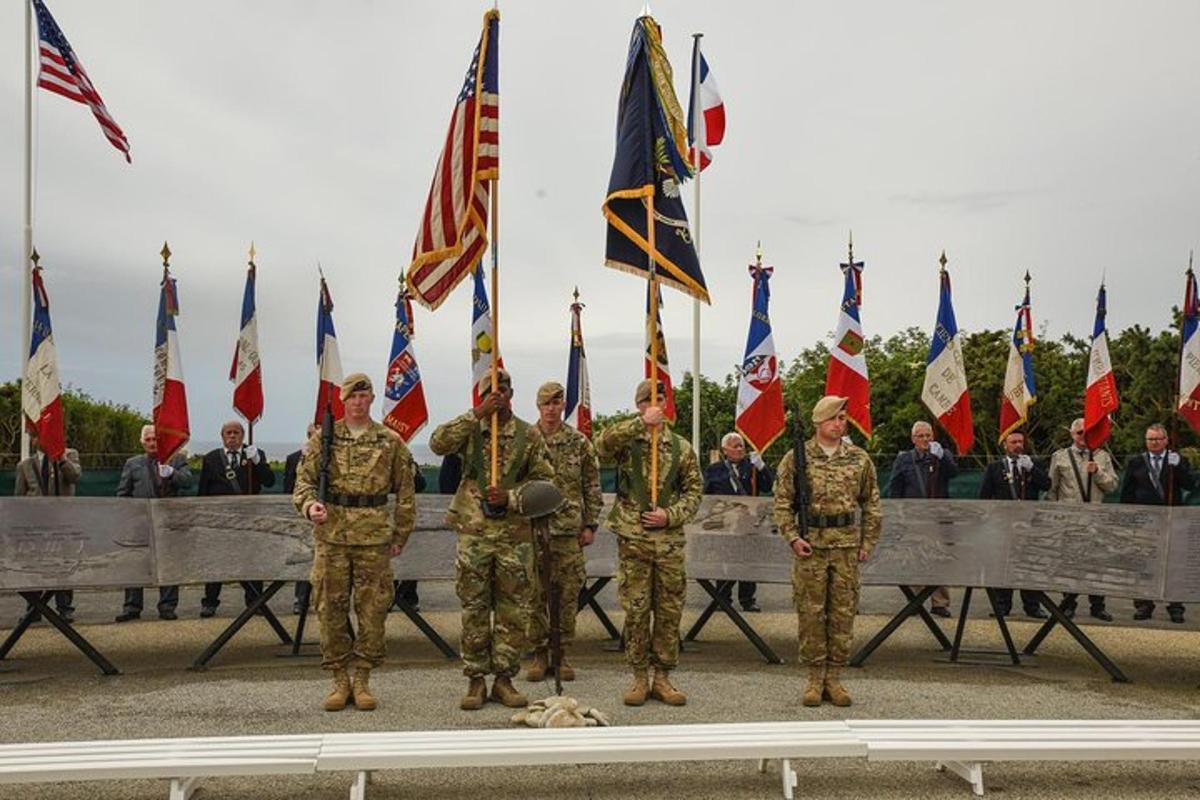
[
  {"x": 453, "y": 232},
  {"x": 61, "y": 72}
]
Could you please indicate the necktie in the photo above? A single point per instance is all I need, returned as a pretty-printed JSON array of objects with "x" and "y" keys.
[{"x": 1157, "y": 465}]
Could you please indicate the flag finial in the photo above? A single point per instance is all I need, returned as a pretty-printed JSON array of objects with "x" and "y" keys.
[
  {"x": 943, "y": 261},
  {"x": 1190, "y": 252},
  {"x": 851, "y": 246},
  {"x": 758, "y": 253},
  {"x": 575, "y": 294},
  {"x": 646, "y": 12},
  {"x": 35, "y": 258},
  {"x": 166, "y": 254},
  {"x": 253, "y": 252},
  {"x": 1027, "y": 279}
]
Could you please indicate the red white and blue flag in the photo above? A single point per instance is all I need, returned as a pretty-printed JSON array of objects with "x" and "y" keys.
[
  {"x": 578, "y": 400},
  {"x": 708, "y": 126},
  {"x": 170, "y": 394},
  {"x": 945, "y": 391},
  {"x": 329, "y": 360},
  {"x": 41, "y": 392},
  {"x": 1019, "y": 390},
  {"x": 667, "y": 400},
  {"x": 404, "y": 409},
  {"x": 1189, "y": 360},
  {"x": 847, "y": 373},
  {"x": 482, "y": 340},
  {"x": 1100, "y": 398},
  {"x": 246, "y": 370},
  {"x": 760, "y": 411},
  {"x": 453, "y": 232},
  {"x": 61, "y": 72}
]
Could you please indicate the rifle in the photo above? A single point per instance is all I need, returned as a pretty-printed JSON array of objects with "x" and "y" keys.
[
  {"x": 800, "y": 498},
  {"x": 553, "y": 593},
  {"x": 326, "y": 447}
]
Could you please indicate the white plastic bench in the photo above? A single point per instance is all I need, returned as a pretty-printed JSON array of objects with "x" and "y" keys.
[
  {"x": 962, "y": 746},
  {"x": 364, "y": 753},
  {"x": 184, "y": 762}
]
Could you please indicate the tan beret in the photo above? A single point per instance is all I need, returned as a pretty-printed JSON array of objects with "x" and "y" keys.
[
  {"x": 503, "y": 380},
  {"x": 828, "y": 407},
  {"x": 643, "y": 391},
  {"x": 357, "y": 382},
  {"x": 548, "y": 391}
]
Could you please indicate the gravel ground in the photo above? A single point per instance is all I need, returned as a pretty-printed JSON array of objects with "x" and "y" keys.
[{"x": 48, "y": 691}]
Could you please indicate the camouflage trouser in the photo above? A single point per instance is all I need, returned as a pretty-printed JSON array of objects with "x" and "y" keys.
[
  {"x": 338, "y": 571},
  {"x": 494, "y": 573},
  {"x": 650, "y": 577},
  {"x": 569, "y": 563},
  {"x": 825, "y": 588}
]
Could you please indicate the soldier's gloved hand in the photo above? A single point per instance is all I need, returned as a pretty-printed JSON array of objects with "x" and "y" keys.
[
  {"x": 1173, "y": 458},
  {"x": 498, "y": 497},
  {"x": 756, "y": 460},
  {"x": 165, "y": 471},
  {"x": 801, "y": 548},
  {"x": 655, "y": 517},
  {"x": 318, "y": 513},
  {"x": 1024, "y": 463},
  {"x": 251, "y": 454},
  {"x": 936, "y": 450}
]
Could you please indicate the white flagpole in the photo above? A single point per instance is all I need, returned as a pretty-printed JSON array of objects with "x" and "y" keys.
[
  {"x": 696, "y": 111},
  {"x": 27, "y": 238}
]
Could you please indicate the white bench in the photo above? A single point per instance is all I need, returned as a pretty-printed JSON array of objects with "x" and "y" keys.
[
  {"x": 962, "y": 746},
  {"x": 364, "y": 753},
  {"x": 182, "y": 761}
]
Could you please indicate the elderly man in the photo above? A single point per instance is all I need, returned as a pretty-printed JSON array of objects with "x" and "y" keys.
[
  {"x": 925, "y": 472},
  {"x": 232, "y": 468},
  {"x": 1079, "y": 474},
  {"x": 736, "y": 474},
  {"x": 1157, "y": 477},
  {"x": 146, "y": 476},
  {"x": 39, "y": 476}
]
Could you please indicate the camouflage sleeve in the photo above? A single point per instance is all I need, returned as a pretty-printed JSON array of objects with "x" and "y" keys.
[
  {"x": 872, "y": 509},
  {"x": 617, "y": 438},
  {"x": 687, "y": 502},
  {"x": 451, "y": 437},
  {"x": 593, "y": 500},
  {"x": 404, "y": 517},
  {"x": 305, "y": 493},
  {"x": 538, "y": 467},
  {"x": 785, "y": 494}
]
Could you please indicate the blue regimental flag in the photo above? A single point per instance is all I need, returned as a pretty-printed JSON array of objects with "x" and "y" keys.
[
  {"x": 650, "y": 162},
  {"x": 404, "y": 409}
]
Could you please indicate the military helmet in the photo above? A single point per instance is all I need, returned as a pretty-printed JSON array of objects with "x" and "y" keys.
[{"x": 538, "y": 499}]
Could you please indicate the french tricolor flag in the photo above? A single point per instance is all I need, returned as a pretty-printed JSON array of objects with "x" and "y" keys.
[
  {"x": 1020, "y": 391},
  {"x": 847, "y": 373},
  {"x": 578, "y": 412},
  {"x": 945, "y": 391},
  {"x": 329, "y": 361},
  {"x": 246, "y": 370},
  {"x": 1100, "y": 397},
  {"x": 1189, "y": 360},
  {"x": 41, "y": 393},
  {"x": 170, "y": 395},
  {"x": 708, "y": 126}
]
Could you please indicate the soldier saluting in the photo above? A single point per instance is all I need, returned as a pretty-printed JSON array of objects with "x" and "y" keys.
[{"x": 838, "y": 483}]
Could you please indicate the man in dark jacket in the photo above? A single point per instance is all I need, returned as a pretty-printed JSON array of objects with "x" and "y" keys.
[
  {"x": 736, "y": 474},
  {"x": 1015, "y": 476}
]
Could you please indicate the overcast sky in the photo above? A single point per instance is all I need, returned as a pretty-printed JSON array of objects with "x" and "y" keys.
[{"x": 1063, "y": 138}]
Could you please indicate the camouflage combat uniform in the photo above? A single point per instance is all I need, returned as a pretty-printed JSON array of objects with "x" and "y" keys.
[
  {"x": 494, "y": 566},
  {"x": 577, "y": 476},
  {"x": 650, "y": 572},
  {"x": 825, "y": 585},
  {"x": 353, "y": 546}
]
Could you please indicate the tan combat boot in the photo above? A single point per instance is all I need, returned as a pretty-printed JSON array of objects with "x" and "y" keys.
[
  {"x": 340, "y": 695},
  {"x": 503, "y": 691},
  {"x": 363, "y": 699},
  {"x": 541, "y": 665},
  {"x": 476, "y": 695},
  {"x": 834, "y": 691},
  {"x": 565, "y": 671},
  {"x": 664, "y": 692},
  {"x": 816, "y": 685},
  {"x": 636, "y": 695}
]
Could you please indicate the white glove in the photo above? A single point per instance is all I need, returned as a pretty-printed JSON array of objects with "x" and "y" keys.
[
  {"x": 251, "y": 454},
  {"x": 936, "y": 450},
  {"x": 165, "y": 471},
  {"x": 1173, "y": 458},
  {"x": 756, "y": 460},
  {"x": 1024, "y": 463}
]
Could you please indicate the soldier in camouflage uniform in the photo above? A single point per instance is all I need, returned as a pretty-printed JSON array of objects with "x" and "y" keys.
[
  {"x": 494, "y": 566},
  {"x": 650, "y": 572},
  {"x": 572, "y": 528},
  {"x": 825, "y": 578},
  {"x": 355, "y": 541}
]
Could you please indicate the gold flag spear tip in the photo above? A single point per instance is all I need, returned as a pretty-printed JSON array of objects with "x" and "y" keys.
[
  {"x": 1027, "y": 279},
  {"x": 575, "y": 294},
  {"x": 943, "y": 261},
  {"x": 253, "y": 252},
  {"x": 851, "y": 246},
  {"x": 35, "y": 258},
  {"x": 758, "y": 253},
  {"x": 646, "y": 12},
  {"x": 166, "y": 254}
]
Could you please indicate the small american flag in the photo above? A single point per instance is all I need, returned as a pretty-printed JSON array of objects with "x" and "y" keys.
[
  {"x": 453, "y": 232},
  {"x": 60, "y": 72}
]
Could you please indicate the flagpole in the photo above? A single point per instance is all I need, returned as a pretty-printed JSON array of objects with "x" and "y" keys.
[
  {"x": 495, "y": 468},
  {"x": 653, "y": 349},
  {"x": 27, "y": 231},
  {"x": 696, "y": 144}
]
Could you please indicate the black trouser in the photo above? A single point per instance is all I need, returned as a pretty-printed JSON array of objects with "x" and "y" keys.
[
  {"x": 1029, "y": 600},
  {"x": 168, "y": 598},
  {"x": 63, "y": 601},
  {"x": 302, "y": 591},
  {"x": 745, "y": 592},
  {"x": 1095, "y": 600},
  {"x": 407, "y": 591},
  {"x": 1148, "y": 606},
  {"x": 212, "y": 594}
]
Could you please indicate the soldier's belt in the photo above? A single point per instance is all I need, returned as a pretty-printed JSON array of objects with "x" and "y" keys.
[
  {"x": 357, "y": 500},
  {"x": 831, "y": 520}
]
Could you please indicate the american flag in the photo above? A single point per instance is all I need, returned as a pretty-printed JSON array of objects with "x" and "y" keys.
[
  {"x": 453, "y": 231},
  {"x": 61, "y": 72}
]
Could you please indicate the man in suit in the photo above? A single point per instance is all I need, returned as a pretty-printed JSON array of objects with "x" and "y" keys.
[
  {"x": 232, "y": 468},
  {"x": 735, "y": 474},
  {"x": 145, "y": 476},
  {"x": 925, "y": 472},
  {"x": 1079, "y": 474},
  {"x": 303, "y": 588},
  {"x": 1015, "y": 476},
  {"x": 1157, "y": 477},
  {"x": 38, "y": 476}
]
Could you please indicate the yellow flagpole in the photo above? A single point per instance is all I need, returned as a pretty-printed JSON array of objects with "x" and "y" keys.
[{"x": 653, "y": 350}]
